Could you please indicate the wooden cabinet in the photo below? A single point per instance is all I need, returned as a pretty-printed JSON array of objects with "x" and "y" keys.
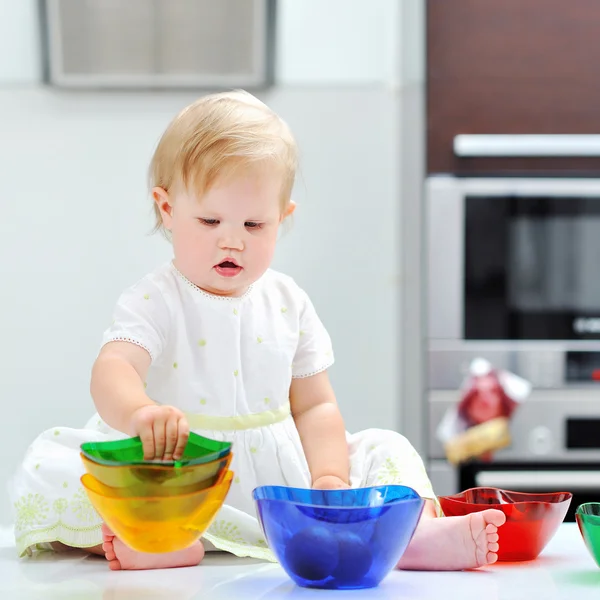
[{"x": 511, "y": 67}]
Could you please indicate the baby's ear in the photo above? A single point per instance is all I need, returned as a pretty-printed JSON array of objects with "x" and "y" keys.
[
  {"x": 163, "y": 201},
  {"x": 289, "y": 210}
]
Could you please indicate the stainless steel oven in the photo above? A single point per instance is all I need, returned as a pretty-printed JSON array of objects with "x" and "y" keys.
[
  {"x": 514, "y": 277},
  {"x": 514, "y": 259}
]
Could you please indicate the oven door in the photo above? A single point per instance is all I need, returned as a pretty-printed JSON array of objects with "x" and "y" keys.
[
  {"x": 514, "y": 259},
  {"x": 581, "y": 479}
]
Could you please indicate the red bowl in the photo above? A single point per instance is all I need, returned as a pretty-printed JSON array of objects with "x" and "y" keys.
[{"x": 531, "y": 519}]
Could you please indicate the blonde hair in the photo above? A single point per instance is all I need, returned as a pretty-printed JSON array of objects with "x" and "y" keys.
[{"x": 216, "y": 135}]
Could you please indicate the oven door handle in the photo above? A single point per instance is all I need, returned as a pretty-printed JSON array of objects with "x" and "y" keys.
[
  {"x": 483, "y": 145},
  {"x": 539, "y": 480}
]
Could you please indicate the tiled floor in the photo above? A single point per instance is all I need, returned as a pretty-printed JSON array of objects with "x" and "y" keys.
[{"x": 564, "y": 571}]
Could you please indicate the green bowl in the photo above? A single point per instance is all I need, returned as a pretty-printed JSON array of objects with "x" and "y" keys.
[
  {"x": 588, "y": 520},
  {"x": 199, "y": 450}
]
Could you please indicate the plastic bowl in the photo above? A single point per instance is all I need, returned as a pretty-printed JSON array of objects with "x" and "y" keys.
[
  {"x": 588, "y": 520},
  {"x": 156, "y": 479},
  {"x": 531, "y": 519},
  {"x": 158, "y": 525},
  {"x": 338, "y": 539},
  {"x": 150, "y": 489},
  {"x": 199, "y": 450}
]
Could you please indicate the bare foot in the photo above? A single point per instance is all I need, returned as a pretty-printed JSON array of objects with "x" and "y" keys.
[
  {"x": 454, "y": 543},
  {"x": 120, "y": 556}
]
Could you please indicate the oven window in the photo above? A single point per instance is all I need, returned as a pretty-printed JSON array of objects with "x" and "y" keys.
[{"x": 532, "y": 268}]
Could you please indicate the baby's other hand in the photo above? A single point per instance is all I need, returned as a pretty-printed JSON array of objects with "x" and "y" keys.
[
  {"x": 330, "y": 482},
  {"x": 164, "y": 431}
]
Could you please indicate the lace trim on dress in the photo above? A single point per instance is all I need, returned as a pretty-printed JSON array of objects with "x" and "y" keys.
[
  {"x": 131, "y": 341},
  {"x": 206, "y": 294},
  {"x": 315, "y": 372}
]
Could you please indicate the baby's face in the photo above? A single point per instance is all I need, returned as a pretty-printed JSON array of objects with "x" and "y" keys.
[{"x": 225, "y": 241}]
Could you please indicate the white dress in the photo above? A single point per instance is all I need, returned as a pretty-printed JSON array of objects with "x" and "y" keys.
[{"x": 216, "y": 357}]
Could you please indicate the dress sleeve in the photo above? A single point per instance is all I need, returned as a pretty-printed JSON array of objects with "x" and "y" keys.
[
  {"x": 314, "y": 353},
  {"x": 142, "y": 317}
]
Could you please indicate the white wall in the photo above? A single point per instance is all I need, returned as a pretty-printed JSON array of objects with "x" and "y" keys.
[
  {"x": 338, "y": 42},
  {"x": 344, "y": 246},
  {"x": 19, "y": 42}
]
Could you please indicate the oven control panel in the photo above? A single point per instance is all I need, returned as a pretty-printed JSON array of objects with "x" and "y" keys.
[{"x": 582, "y": 367}]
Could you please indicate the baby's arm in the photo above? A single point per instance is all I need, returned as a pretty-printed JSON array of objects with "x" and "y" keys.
[
  {"x": 117, "y": 384},
  {"x": 321, "y": 430},
  {"x": 117, "y": 388}
]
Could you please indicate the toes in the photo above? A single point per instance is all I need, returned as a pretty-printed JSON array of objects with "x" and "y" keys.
[
  {"x": 109, "y": 551},
  {"x": 107, "y": 534},
  {"x": 114, "y": 565},
  {"x": 110, "y": 556},
  {"x": 493, "y": 547},
  {"x": 492, "y": 537},
  {"x": 490, "y": 529},
  {"x": 494, "y": 517},
  {"x": 492, "y": 557}
]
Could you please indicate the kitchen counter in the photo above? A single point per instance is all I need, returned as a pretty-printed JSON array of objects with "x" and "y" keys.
[{"x": 565, "y": 570}]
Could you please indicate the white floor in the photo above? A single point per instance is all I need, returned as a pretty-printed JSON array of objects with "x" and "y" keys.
[{"x": 565, "y": 571}]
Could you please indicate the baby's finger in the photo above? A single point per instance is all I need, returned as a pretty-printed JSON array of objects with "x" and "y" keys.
[
  {"x": 171, "y": 437},
  {"x": 183, "y": 434},
  {"x": 159, "y": 438},
  {"x": 147, "y": 436}
]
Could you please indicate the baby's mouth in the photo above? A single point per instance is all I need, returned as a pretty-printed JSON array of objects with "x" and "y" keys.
[{"x": 228, "y": 268}]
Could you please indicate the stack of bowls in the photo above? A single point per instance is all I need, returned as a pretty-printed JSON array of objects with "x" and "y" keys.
[{"x": 157, "y": 506}]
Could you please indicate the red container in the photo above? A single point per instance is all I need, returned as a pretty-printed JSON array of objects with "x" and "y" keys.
[{"x": 531, "y": 519}]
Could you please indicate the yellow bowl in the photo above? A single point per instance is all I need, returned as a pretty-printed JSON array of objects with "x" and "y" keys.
[
  {"x": 158, "y": 524},
  {"x": 156, "y": 480}
]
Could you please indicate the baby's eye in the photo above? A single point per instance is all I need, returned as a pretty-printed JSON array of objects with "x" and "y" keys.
[
  {"x": 209, "y": 222},
  {"x": 253, "y": 225}
]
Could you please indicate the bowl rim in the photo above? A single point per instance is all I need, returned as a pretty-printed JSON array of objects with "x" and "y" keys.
[
  {"x": 155, "y": 466},
  {"x": 584, "y": 514},
  {"x": 456, "y": 497},
  {"x": 417, "y": 498},
  {"x": 177, "y": 464},
  {"x": 225, "y": 479},
  {"x": 226, "y": 449}
]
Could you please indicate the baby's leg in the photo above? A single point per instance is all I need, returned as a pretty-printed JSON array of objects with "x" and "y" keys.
[
  {"x": 60, "y": 547},
  {"x": 379, "y": 457},
  {"x": 120, "y": 556},
  {"x": 453, "y": 543}
]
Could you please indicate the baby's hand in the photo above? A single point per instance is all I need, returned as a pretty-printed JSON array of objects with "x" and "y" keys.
[
  {"x": 164, "y": 431},
  {"x": 329, "y": 482}
]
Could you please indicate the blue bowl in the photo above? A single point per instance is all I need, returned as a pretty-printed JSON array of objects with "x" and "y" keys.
[{"x": 338, "y": 539}]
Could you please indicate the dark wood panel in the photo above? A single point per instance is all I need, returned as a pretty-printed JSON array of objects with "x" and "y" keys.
[
  {"x": 492, "y": 106},
  {"x": 515, "y": 66},
  {"x": 513, "y": 38},
  {"x": 528, "y": 105}
]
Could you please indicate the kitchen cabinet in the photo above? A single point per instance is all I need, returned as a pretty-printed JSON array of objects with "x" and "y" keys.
[{"x": 512, "y": 67}]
